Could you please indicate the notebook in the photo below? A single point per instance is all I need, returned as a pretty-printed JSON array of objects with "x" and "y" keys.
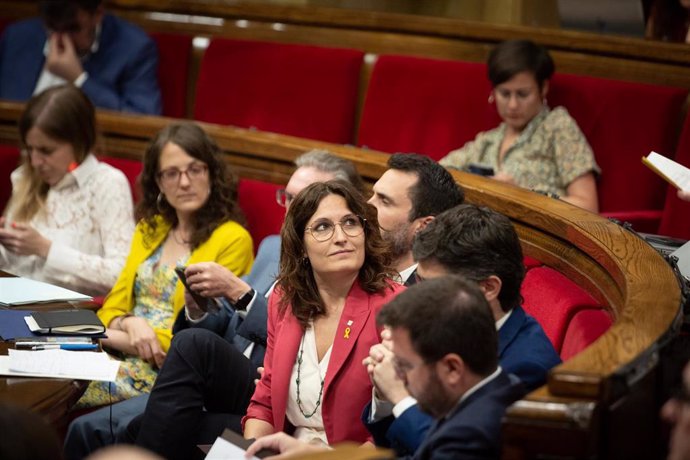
[
  {"x": 23, "y": 291},
  {"x": 83, "y": 322}
]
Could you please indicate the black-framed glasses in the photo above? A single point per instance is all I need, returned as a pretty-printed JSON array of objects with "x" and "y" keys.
[
  {"x": 284, "y": 198},
  {"x": 324, "y": 230},
  {"x": 171, "y": 177}
]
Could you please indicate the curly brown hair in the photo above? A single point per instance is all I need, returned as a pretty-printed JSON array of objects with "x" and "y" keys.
[
  {"x": 296, "y": 279},
  {"x": 221, "y": 204}
]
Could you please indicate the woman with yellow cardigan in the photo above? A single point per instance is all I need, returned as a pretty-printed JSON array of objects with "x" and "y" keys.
[{"x": 187, "y": 215}]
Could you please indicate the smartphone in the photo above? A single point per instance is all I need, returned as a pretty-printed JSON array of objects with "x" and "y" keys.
[
  {"x": 204, "y": 303},
  {"x": 481, "y": 170}
]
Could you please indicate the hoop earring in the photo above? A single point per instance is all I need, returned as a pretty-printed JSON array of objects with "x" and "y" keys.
[
  {"x": 491, "y": 98},
  {"x": 159, "y": 202}
]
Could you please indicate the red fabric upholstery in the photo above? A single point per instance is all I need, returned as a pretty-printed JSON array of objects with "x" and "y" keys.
[
  {"x": 623, "y": 121},
  {"x": 425, "y": 106},
  {"x": 304, "y": 91},
  {"x": 9, "y": 160},
  {"x": 174, "y": 58},
  {"x": 584, "y": 328},
  {"x": 553, "y": 300},
  {"x": 258, "y": 201},
  {"x": 131, "y": 168},
  {"x": 676, "y": 217},
  {"x": 531, "y": 262}
]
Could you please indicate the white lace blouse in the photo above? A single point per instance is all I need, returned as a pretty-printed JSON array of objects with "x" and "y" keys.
[{"x": 88, "y": 218}]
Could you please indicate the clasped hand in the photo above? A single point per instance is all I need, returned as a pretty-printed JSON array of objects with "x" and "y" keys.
[
  {"x": 143, "y": 338},
  {"x": 382, "y": 372},
  {"x": 24, "y": 240}
]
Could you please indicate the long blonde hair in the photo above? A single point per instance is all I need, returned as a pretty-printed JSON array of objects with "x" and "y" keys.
[{"x": 62, "y": 113}]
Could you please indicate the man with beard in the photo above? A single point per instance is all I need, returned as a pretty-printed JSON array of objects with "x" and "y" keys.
[
  {"x": 482, "y": 246},
  {"x": 444, "y": 343},
  {"x": 408, "y": 195}
]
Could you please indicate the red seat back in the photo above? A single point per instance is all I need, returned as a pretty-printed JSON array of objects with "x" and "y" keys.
[
  {"x": 258, "y": 202},
  {"x": 9, "y": 161},
  {"x": 131, "y": 168},
  {"x": 623, "y": 121},
  {"x": 675, "y": 220},
  {"x": 300, "y": 90},
  {"x": 174, "y": 58},
  {"x": 584, "y": 328},
  {"x": 554, "y": 300},
  {"x": 426, "y": 106}
]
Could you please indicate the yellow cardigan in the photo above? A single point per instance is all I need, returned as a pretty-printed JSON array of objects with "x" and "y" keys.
[{"x": 230, "y": 245}]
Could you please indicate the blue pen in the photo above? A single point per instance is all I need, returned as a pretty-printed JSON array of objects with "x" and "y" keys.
[{"x": 66, "y": 346}]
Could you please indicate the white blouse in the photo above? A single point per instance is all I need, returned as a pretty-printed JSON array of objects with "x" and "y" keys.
[
  {"x": 311, "y": 372},
  {"x": 88, "y": 218}
]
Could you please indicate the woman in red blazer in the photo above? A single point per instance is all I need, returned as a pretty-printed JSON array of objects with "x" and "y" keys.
[{"x": 335, "y": 276}]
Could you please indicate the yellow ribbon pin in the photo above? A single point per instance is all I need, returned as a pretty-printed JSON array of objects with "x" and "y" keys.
[{"x": 347, "y": 333}]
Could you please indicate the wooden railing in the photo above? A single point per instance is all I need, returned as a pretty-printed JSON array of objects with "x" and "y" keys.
[{"x": 611, "y": 384}]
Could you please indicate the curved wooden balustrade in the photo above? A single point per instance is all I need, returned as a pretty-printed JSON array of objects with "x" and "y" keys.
[{"x": 610, "y": 381}]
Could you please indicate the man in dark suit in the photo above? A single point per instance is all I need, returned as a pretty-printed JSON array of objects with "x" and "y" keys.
[
  {"x": 444, "y": 345},
  {"x": 241, "y": 322},
  {"x": 408, "y": 195},
  {"x": 74, "y": 41},
  {"x": 481, "y": 245}
]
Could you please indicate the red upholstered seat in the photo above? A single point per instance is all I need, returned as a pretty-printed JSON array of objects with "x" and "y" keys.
[
  {"x": 427, "y": 106},
  {"x": 675, "y": 220},
  {"x": 623, "y": 121},
  {"x": 9, "y": 160},
  {"x": 174, "y": 58},
  {"x": 258, "y": 201},
  {"x": 584, "y": 328},
  {"x": 131, "y": 168},
  {"x": 554, "y": 300},
  {"x": 300, "y": 90}
]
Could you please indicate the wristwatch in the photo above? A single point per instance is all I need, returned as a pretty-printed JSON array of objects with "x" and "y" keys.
[{"x": 244, "y": 300}]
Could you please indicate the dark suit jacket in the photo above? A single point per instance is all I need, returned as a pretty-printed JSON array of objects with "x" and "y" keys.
[
  {"x": 347, "y": 387},
  {"x": 242, "y": 330},
  {"x": 472, "y": 430},
  {"x": 523, "y": 350},
  {"x": 122, "y": 72}
]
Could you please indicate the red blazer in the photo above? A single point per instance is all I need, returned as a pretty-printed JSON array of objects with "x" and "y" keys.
[{"x": 347, "y": 388}]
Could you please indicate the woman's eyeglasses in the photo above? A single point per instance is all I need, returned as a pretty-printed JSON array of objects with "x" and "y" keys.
[
  {"x": 171, "y": 177},
  {"x": 325, "y": 229}
]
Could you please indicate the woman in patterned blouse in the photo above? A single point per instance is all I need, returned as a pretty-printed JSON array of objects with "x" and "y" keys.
[{"x": 536, "y": 148}]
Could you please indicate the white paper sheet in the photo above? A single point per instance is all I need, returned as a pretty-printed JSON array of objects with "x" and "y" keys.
[
  {"x": 22, "y": 291},
  {"x": 224, "y": 450},
  {"x": 80, "y": 365}
]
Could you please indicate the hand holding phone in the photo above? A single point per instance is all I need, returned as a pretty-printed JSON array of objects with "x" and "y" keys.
[
  {"x": 205, "y": 304},
  {"x": 481, "y": 170}
]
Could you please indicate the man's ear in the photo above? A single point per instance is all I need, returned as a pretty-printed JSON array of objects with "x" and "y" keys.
[
  {"x": 422, "y": 222},
  {"x": 491, "y": 287},
  {"x": 451, "y": 369}
]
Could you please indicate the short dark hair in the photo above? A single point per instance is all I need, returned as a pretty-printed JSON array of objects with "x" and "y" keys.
[
  {"x": 296, "y": 280},
  {"x": 446, "y": 315},
  {"x": 435, "y": 190},
  {"x": 511, "y": 57},
  {"x": 61, "y": 14},
  {"x": 475, "y": 242},
  {"x": 221, "y": 204}
]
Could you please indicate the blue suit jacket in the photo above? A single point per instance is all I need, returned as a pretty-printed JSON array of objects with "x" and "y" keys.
[
  {"x": 473, "y": 429},
  {"x": 243, "y": 330},
  {"x": 523, "y": 350},
  {"x": 122, "y": 73}
]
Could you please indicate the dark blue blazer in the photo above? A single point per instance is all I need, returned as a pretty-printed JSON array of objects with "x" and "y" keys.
[
  {"x": 242, "y": 330},
  {"x": 523, "y": 350},
  {"x": 473, "y": 429},
  {"x": 122, "y": 73}
]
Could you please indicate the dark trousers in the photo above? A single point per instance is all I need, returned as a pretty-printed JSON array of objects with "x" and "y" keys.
[{"x": 201, "y": 371}]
